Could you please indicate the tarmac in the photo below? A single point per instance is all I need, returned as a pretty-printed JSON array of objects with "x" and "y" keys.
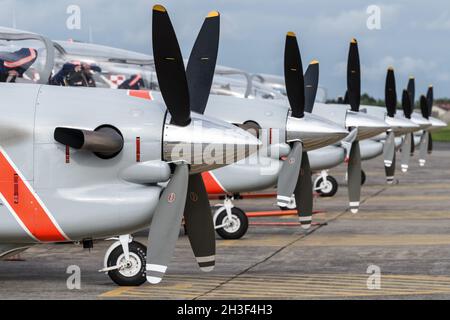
[{"x": 402, "y": 233}]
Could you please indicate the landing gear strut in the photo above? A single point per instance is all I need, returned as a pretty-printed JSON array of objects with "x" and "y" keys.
[
  {"x": 230, "y": 222},
  {"x": 125, "y": 261}
]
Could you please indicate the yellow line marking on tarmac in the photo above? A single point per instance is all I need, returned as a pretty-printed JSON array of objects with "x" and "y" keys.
[{"x": 270, "y": 286}]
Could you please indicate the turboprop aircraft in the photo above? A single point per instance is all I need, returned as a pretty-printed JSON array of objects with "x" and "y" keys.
[
  {"x": 301, "y": 135},
  {"x": 85, "y": 164},
  {"x": 399, "y": 124}
]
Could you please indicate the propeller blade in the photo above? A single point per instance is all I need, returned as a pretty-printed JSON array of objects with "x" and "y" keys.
[
  {"x": 293, "y": 75},
  {"x": 406, "y": 153},
  {"x": 354, "y": 76},
  {"x": 430, "y": 143},
  {"x": 406, "y": 104},
  {"x": 390, "y": 93},
  {"x": 424, "y": 107},
  {"x": 289, "y": 175},
  {"x": 311, "y": 85},
  {"x": 304, "y": 193},
  {"x": 346, "y": 101},
  {"x": 199, "y": 223},
  {"x": 202, "y": 62},
  {"x": 412, "y": 91},
  {"x": 389, "y": 149},
  {"x": 430, "y": 100},
  {"x": 390, "y": 171},
  {"x": 423, "y": 148},
  {"x": 354, "y": 177},
  {"x": 169, "y": 67},
  {"x": 166, "y": 223}
]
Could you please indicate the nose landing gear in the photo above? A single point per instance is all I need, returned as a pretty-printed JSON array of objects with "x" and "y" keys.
[
  {"x": 230, "y": 222},
  {"x": 125, "y": 262}
]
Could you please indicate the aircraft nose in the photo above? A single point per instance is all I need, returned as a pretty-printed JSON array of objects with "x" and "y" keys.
[
  {"x": 313, "y": 131},
  {"x": 401, "y": 125},
  {"x": 207, "y": 144},
  {"x": 368, "y": 126}
]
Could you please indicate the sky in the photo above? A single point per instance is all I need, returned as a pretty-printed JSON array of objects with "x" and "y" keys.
[{"x": 413, "y": 36}]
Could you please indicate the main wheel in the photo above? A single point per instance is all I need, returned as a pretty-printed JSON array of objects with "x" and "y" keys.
[
  {"x": 363, "y": 177},
  {"x": 234, "y": 229},
  {"x": 132, "y": 273},
  {"x": 327, "y": 188}
]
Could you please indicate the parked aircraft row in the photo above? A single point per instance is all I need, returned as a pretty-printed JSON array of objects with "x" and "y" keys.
[{"x": 83, "y": 164}]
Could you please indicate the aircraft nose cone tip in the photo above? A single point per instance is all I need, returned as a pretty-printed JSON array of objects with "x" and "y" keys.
[{"x": 314, "y": 131}]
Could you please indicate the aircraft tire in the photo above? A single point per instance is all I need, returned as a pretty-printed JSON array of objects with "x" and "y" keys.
[
  {"x": 330, "y": 189},
  {"x": 237, "y": 229},
  {"x": 134, "y": 275}
]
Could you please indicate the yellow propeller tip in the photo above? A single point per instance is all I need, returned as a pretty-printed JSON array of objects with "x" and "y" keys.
[
  {"x": 158, "y": 7},
  {"x": 353, "y": 40},
  {"x": 390, "y": 68},
  {"x": 411, "y": 77},
  {"x": 430, "y": 86},
  {"x": 213, "y": 14},
  {"x": 291, "y": 34},
  {"x": 314, "y": 62}
]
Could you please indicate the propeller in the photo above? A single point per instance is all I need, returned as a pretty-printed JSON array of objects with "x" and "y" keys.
[
  {"x": 430, "y": 100},
  {"x": 407, "y": 142},
  {"x": 412, "y": 97},
  {"x": 184, "y": 193},
  {"x": 354, "y": 97},
  {"x": 389, "y": 145},
  {"x": 424, "y": 140},
  {"x": 295, "y": 175},
  {"x": 311, "y": 85}
]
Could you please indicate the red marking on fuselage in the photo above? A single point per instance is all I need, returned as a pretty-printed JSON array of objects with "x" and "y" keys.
[
  {"x": 211, "y": 184},
  {"x": 138, "y": 149},
  {"x": 25, "y": 204},
  {"x": 142, "y": 94},
  {"x": 67, "y": 154}
]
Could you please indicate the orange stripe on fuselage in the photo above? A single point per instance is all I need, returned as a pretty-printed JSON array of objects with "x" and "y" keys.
[
  {"x": 26, "y": 207},
  {"x": 211, "y": 184},
  {"x": 143, "y": 94}
]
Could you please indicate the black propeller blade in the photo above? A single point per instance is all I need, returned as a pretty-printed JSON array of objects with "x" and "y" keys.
[
  {"x": 390, "y": 93},
  {"x": 311, "y": 85},
  {"x": 424, "y": 107},
  {"x": 169, "y": 67},
  {"x": 430, "y": 100},
  {"x": 293, "y": 75},
  {"x": 406, "y": 104},
  {"x": 199, "y": 223},
  {"x": 412, "y": 91},
  {"x": 354, "y": 76},
  {"x": 202, "y": 62}
]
